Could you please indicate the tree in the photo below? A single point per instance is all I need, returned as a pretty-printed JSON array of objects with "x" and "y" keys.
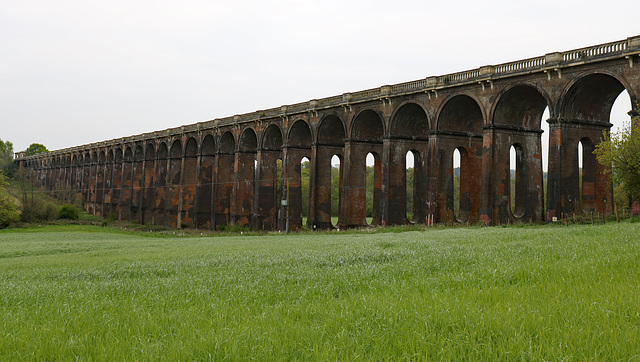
[
  {"x": 621, "y": 151},
  {"x": 6, "y": 157},
  {"x": 8, "y": 210},
  {"x": 35, "y": 148}
]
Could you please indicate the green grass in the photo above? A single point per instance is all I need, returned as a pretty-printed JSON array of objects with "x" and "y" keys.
[{"x": 515, "y": 293}]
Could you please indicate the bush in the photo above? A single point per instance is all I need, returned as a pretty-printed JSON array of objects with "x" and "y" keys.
[
  {"x": 37, "y": 210},
  {"x": 8, "y": 212},
  {"x": 69, "y": 212}
]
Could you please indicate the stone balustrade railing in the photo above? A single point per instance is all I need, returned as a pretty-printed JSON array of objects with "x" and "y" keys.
[{"x": 583, "y": 55}]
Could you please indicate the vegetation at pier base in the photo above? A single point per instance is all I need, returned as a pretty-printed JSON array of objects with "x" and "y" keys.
[
  {"x": 511, "y": 293},
  {"x": 621, "y": 150}
]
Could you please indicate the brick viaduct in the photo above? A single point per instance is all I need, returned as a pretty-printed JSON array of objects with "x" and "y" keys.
[{"x": 223, "y": 171}]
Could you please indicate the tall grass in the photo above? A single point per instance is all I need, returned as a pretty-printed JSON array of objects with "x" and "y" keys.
[{"x": 537, "y": 293}]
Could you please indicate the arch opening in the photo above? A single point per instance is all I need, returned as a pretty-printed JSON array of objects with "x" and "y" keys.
[
  {"x": 335, "y": 191},
  {"x": 517, "y": 189},
  {"x": 372, "y": 183},
  {"x": 305, "y": 177},
  {"x": 457, "y": 174}
]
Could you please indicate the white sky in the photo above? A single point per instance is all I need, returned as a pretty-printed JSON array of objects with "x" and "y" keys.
[{"x": 75, "y": 72}]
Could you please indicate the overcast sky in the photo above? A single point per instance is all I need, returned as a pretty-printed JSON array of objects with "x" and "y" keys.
[{"x": 75, "y": 72}]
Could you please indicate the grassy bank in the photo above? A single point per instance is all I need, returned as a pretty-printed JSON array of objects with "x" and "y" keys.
[{"x": 536, "y": 292}]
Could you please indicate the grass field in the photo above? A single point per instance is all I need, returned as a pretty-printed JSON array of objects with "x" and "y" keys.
[{"x": 532, "y": 293}]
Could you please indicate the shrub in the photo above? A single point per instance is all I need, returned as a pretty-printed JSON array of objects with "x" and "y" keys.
[
  {"x": 37, "y": 210},
  {"x": 69, "y": 212},
  {"x": 8, "y": 212}
]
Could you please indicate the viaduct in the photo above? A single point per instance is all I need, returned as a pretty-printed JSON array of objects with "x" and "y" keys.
[{"x": 224, "y": 171}]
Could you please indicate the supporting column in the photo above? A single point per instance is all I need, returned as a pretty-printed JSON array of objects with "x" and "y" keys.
[
  {"x": 267, "y": 198},
  {"x": 224, "y": 176},
  {"x": 564, "y": 194},
  {"x": 243, "y": 193},
  {"x": 496, "y": 176}
]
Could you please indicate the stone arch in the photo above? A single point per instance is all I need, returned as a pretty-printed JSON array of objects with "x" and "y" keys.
[
  {"x": 100, "y": 182},
  {"x": 176, "y": 149},
  {"x": 459, "y": 124},
  {"x": 128, "y": 154},
  {"x": 127, "y": 184},
  {"x": 137, "y": 173},
  {"x": 227, "y": 143},
  {"x": 331, "y": 131},
  {"x": 174, "y": 181},
  {"x": 368, "y": 125},
  {"x": 520, "y": 106},
  {"x": 516, "y": 120},
  {"x": 367, "y": 131},
  {"x": 331, "y": 136},
  {"x": 409, "y": 129},
  {"x": 204, "y": 215},
  {"x": 590, "y": 97},
  {"x": 248, "y": 141},
  {"x": 150, "y": 152},
  {"x": 410, "y": 120},
  {"x": 272, "y": 138},
  {"x": 300, "y": 134},
  {"x": 299, "y": 142},
  {"x": 163, "y": 150},
  {"x": 160, "y": 184},
  {"x": 242, "y": 207},
  {"x": 148, "y": 187},
  {"x": 191, "y": 148},
  {"x": 138, "y": 153},
  {"x": 208, "y": 147},
  {"x": 269, "y": 179},
  {"x": 188, "y": 203},
  {"x": 460, "y": 113},
  {"x": 584, "y": 113}
]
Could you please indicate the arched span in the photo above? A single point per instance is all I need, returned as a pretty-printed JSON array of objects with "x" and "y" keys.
[
  {"x": 460, "y": 113},
  {"x": 520, "y": 106},
  {"x": 208, "y": 146},
  {"x": 272, "y": 138},
  {"x": 299, "y": 134},
  {"x": 191, "y": 150},
  {"x": 150, "y": 153},
  {"x": 227, "y": 143},
  {"x": 118, "y": 154},
  {"x": 128, "y": 154},
  {"x": 176, "y": 149},
  {"x": 138, "y": 154},
  {"x": 591, "y": 97},
  {"x": 367, "y": 126},
  {"x": 331, "y": 131},
  {"x": 163, "y": 150},
  {"x": 248, "y": 141},
  {"x": 410, "y": 120}
]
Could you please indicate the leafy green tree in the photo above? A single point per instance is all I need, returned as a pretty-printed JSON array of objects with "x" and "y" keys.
[
  {"x": 621, "y": 151},
  {"x": 8, "y": 210},
  {"x": 6, "y": 157},
  {"x": 35, "y": 148}
]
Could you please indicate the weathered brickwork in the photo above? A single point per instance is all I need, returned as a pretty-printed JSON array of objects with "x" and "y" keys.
[{"x": 245, "y": 170}]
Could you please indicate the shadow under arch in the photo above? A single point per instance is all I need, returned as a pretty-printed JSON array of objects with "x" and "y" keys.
[
  {"x": 408, "y": 136},
  {"x": 516, "y": 119},
  {"x": 459, "y": 127},
  {"x": 330, "y": 137},
  {"x": 584, "y": 114},
  {"x": 298, "y": 148}
]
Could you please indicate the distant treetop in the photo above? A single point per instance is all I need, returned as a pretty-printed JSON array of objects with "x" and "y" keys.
[{"x": 35, "y": 148}]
